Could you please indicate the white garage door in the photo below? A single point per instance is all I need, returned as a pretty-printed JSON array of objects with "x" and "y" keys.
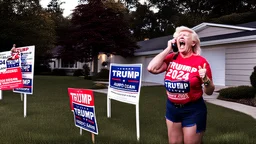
[
  {"x": 216, "y": 59},
  {"x": 148, "y": 77}
]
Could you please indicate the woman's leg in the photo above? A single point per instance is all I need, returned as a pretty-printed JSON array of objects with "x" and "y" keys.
[
  {"x": 194, "y": 122},
  {"x": 175, "y": 135},
  {"x": 191, "y": 136}
]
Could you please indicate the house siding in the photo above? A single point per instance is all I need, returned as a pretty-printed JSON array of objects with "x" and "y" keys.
[
  {"x": 240, "y": 60},
  {"x": 212, "y": 31}
]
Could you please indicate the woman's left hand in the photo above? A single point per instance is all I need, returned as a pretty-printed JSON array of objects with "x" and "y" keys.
[{"x": 202, "y": 71}]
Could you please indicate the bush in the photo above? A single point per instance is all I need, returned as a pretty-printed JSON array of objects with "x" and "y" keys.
[
  {"x": 240, "y": 92},
  {"x": 99, "y": 86},
  {"x": 59, "y": 72},
  {"x": 42, "y": 69},
  {"x": 86, "y": 70},
  {"x": 253, "y": 78},
  {"x": 78, "y": 72},
  {"x": 102, "y": 75}
]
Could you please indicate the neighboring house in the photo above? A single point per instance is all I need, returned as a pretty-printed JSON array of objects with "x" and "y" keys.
[
  {"x": 71, "y": 66},
  {"x": 230, "y": 50}
]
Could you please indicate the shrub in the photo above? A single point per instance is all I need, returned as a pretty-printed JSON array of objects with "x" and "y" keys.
[
  {"x": 86, "y": 70},
  {"x": 99, "y": 86},
  {"x": 102, "y": 75},
  {"x": 42, "y": 69},
  {"x": 78, "y": 72},
  {"x": 59, "y": 72},
  {"x": 104, "y": 63},
  {"x": 240, "y": 92},
  {"x": 253, "y": 78}
]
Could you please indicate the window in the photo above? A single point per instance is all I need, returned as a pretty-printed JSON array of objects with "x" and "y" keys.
[{"x": 68, "y": 64}]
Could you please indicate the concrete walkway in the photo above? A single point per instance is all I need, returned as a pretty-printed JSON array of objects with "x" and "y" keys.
[{"x": 249, "y": 110}]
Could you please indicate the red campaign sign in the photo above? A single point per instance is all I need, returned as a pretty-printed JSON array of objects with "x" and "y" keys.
[
  {"x": 80, "y": 96},
  {"x": 11, "y": 78},
  {"x": 22, "y": 49}
]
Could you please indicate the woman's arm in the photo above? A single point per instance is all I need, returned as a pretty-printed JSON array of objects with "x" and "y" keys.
[
  {"x": 206, "y": 75},
  {"x": 208, "y": 86},
  {"x": 157, "y": 64}
]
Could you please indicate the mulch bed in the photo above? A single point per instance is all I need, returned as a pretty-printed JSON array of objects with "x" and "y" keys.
[{"x": 250, "y": 102}]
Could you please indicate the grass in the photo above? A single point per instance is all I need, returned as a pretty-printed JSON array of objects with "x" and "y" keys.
[{"x": 50, "y": 121}]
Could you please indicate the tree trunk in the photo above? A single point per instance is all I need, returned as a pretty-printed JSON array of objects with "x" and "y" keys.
[{"x": 95, "y": 64}]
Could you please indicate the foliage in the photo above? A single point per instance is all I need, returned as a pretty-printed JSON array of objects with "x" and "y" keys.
[
  {"x": 239, "y": 92},
  {"x": 144, "y": 23},
  {"x": 222, "y": 7},
  {"x": 105, "y": 63},
  {"x": 99, "y": 26},
  {"x": 99, "y": 86},
  {"x": 59, "y": 72},
  {"x": 253, "y": 78},
  {"x": 235, "y": 18},
  {"x": 42, "y": 69},
  {"x": 78, "y": 72},
  {"x": 102, "y": 75},
  {"x": 86, "y": 70}
]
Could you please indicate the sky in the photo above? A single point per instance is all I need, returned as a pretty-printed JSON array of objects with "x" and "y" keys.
[{"x": 68, "y": 6}]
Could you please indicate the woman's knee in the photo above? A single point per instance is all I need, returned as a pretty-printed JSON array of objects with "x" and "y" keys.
[
  {"x": 175, "y": 140},
  {"x": 175, "y": 135}
]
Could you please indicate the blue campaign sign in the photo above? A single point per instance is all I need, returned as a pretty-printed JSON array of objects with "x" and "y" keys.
[
  {"x": 27, "y": 86},
  {"x": 177, "y": 86},
  {"x": 26, "y": 68},
  {"x": 13, "y": 63},
  {"x": 126, "y": 78},
  {"x": 85, "y": 117},
  {"x": 2, "y": 61}
]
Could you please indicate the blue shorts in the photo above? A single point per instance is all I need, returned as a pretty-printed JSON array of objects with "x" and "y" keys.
[{"x": 193, "y": 113}]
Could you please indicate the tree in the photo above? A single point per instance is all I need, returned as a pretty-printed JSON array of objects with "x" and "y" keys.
[
  {"x": 144, "y": 23},
  {"x": 99, "y": 26},
  {"x": 61, "y": 24}
]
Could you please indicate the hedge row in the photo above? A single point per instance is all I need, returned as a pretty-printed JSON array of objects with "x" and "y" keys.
[{"x": 239, "y": 92}]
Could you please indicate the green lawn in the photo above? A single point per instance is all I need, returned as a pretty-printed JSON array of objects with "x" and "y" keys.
[{"x": 50, "y": 121}]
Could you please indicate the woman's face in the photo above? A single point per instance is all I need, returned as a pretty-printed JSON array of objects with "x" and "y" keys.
[{"x": 185, "y": 42}]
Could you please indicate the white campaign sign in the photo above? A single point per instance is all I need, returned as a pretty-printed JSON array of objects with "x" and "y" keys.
[
  {"x": 27, "y": 69},
  {"x": 124, "y": 86}
]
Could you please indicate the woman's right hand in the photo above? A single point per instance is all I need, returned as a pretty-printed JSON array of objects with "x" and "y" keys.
[{"x": 170, "y": 42}]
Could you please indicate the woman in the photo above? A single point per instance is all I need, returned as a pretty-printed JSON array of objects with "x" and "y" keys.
[{"x": 187, "y": 76}]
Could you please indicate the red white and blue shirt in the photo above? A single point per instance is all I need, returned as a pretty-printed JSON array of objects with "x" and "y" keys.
[{"x": 182, "y": 81}]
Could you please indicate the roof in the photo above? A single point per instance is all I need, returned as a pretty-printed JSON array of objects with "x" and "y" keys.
[
  {"x": 205, "y": 25},
  {"x": 154, "y": 44},
  {"x": 229, "y": 38},
  {"x": 249, "y": 24}
]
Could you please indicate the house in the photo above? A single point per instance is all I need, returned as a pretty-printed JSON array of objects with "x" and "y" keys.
[
  {"x": 71, "y": 66},
  {"x": 230, "y": 50}
]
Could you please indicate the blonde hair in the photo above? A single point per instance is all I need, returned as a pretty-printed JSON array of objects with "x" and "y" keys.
[{"x": 196, "y": 49}]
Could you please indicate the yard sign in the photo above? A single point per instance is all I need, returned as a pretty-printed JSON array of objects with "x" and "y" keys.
[
  {"x": 82, "y": 104},
  {"x": 124, "y": 86},
  {"x": 10, "y": 72},
  {"x": 27, "y": 69}
]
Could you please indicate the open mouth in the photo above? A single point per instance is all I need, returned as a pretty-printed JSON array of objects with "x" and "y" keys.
[{"x": 182, "y": 43}]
